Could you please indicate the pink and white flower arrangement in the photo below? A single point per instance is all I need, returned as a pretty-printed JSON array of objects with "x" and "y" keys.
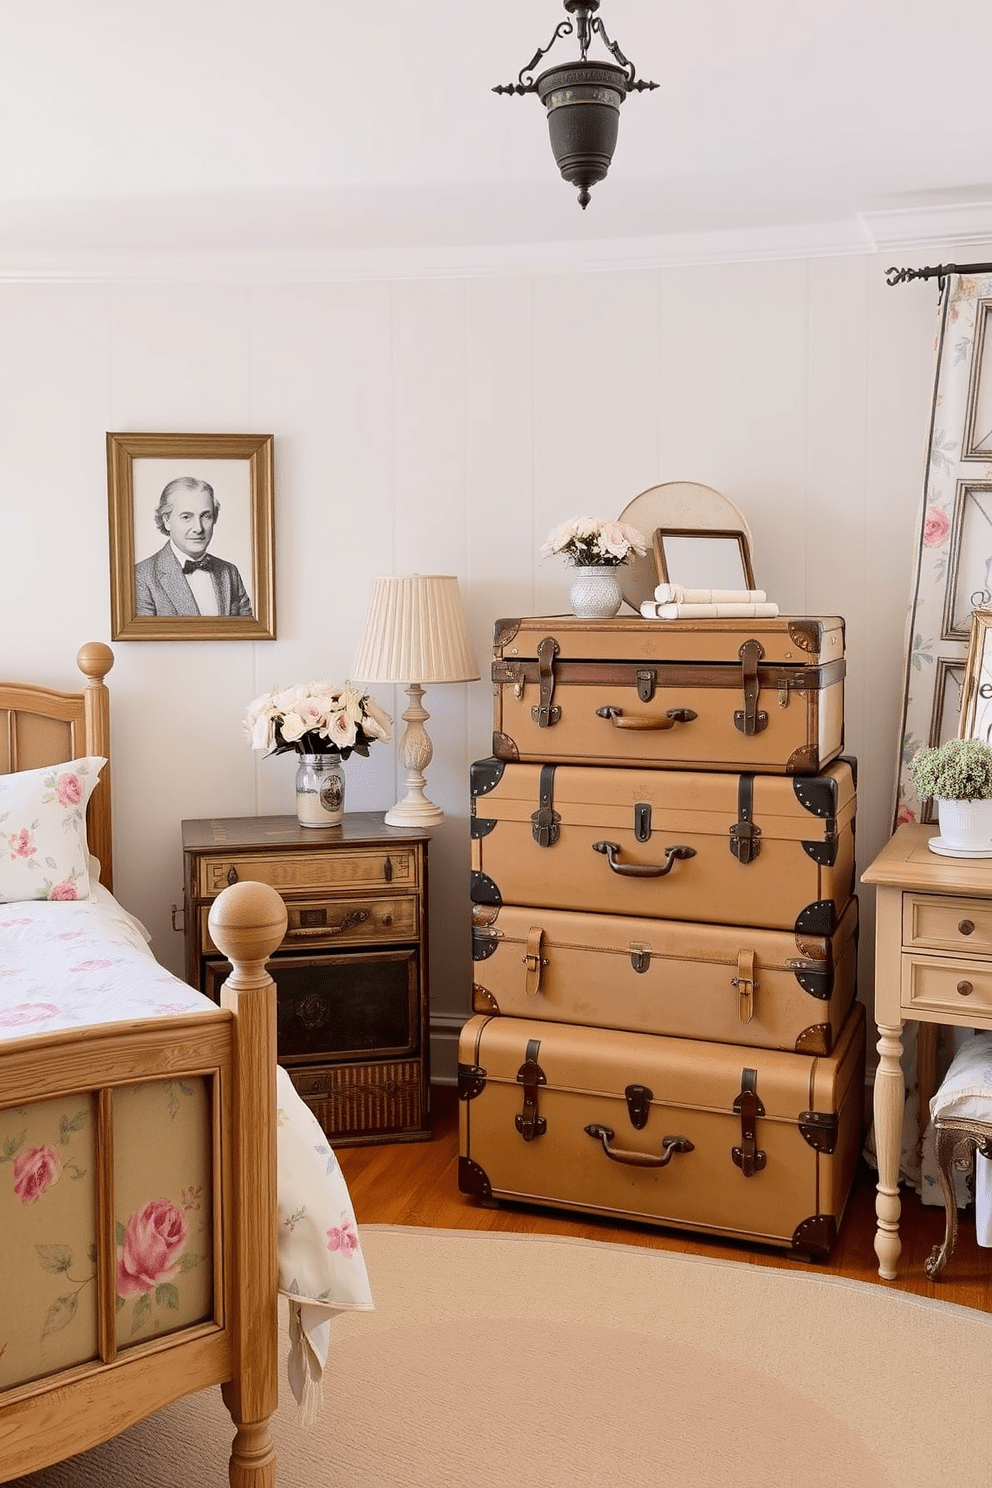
[
  {"x": 318, "y": 718},
  {"x": 590, "y": 542}
]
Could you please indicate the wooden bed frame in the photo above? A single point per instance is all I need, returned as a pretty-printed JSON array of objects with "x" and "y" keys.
[{"x": 53, "y": 1418}]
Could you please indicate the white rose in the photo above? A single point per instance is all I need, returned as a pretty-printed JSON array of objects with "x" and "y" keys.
[
  {"x": 341, "y": 730},
  {"x": 378, "y": 723},
  {"x": 293, "y": 727}
]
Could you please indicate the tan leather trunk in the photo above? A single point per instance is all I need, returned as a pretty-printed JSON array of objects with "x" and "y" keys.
[
  {"x": 771, "y": 989},
  {"x": 749, "y": 1143},
  {"x": 765, "y": 850},
  {"x": 761, "y": 695}
]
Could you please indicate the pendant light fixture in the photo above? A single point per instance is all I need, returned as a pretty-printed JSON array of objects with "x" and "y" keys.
[{"x": 582, "y": 98}]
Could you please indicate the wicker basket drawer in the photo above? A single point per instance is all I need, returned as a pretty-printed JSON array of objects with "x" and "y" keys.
[
  {"x": 935, "y": 984},
  {"x": 363, "y": 1102},
  {"x": 935, "y": 922},
  {"x": 341, "y": 872}
]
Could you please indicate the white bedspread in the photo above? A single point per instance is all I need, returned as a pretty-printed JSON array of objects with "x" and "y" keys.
[{"x": 70, "y": 964}]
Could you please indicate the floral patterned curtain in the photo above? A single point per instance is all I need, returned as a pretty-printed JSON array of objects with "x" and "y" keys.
[
  {"x": 954, "y": 564},
  {"x": 953, "y": 577}
]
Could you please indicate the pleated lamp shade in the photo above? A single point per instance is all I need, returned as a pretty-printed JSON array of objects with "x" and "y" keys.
[{"x": 415, "y": 631}]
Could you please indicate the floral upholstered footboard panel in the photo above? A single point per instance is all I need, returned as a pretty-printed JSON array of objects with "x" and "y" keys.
[
  {"x": 48, "y": 1223},
  {"x": 66, "y": 966}
]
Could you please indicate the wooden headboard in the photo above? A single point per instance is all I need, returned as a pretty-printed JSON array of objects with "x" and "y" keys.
[{"x": 39, "y": 727}]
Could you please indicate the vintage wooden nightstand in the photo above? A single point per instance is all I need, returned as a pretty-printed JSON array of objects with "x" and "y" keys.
[{"x": 351, "y": 973}]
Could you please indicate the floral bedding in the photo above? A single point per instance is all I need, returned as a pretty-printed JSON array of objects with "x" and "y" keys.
[{"x": 70, "y": 964}]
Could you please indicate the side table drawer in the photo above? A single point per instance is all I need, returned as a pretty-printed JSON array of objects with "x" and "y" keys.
[
  {"x": 339, "y": 871},
  {"x": 358, "y": 1102},
  {"x": 339, "y": 922},
  {"x": 937, "y": 985},
  {"x": 936, "y": 922}
]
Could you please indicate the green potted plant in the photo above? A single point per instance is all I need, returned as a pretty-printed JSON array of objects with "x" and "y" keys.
[{"x": 958, "y": 776}]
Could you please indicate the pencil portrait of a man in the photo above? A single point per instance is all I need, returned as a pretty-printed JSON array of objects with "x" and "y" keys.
[{"x": 183, "y": 577}]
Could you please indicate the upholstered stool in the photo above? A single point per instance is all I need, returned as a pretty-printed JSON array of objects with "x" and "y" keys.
[{"x": 961, "y": 1112}]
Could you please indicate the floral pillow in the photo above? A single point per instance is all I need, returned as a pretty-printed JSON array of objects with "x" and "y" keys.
[{"x": 43, "y": 852}]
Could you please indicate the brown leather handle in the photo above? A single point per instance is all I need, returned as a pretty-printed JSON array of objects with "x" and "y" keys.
[
  {"x": 669, "y": 1147},
  {"x": 668, "y": 720},
  {"x": 354, "y": 917},
  {"x": 642, "y": 870}
]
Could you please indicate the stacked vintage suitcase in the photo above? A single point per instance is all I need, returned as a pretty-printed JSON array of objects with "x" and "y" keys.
[{"x": 665, "y": 929}]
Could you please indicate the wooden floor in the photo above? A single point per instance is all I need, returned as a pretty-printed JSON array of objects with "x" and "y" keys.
[{"x": 416, "y": 1183}]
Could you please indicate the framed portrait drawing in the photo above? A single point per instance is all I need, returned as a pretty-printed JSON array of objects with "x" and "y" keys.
[{"x": 191, "y": 537}]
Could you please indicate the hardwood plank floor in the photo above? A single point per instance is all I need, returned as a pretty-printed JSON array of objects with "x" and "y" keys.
[{"x": 416, "y": 1183}]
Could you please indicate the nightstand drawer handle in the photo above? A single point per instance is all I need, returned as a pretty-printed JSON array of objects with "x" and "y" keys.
[
  {"x": 354, "y": 917},
  {"x": 232, "y": 874},
  {"x": 965, "y": 988},
  {"x": 966, "y": 927}
]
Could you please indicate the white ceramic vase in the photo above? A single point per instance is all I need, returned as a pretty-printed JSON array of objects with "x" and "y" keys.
[
  {"x": 966, "y": 825},
  {"x": 595, "y": 593},
  {"x": 319, "y": 790}
]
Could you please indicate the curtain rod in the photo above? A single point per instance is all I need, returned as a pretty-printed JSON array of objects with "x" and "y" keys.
[{"x": 940, "y": 273}]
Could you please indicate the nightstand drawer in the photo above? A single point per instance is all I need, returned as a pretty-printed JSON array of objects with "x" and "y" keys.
[
  {"x": 326, "y": 922},
  {"x": 342, "y": 871},
  {"x": 935, "y": 922},
  {"x": 359, "y": 1102},
  {"x": 937, "y": 985}
]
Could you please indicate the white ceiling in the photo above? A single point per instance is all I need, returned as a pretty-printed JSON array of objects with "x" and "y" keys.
[{"x": 332, "y": 135}]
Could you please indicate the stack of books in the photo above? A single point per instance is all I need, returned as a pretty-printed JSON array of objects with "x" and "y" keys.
[{"x": 673, "y": 602}]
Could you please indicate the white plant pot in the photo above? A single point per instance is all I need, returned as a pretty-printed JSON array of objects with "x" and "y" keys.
[
  {"x": 595, "y": 593},
  {"x": 965, "y": 824}
]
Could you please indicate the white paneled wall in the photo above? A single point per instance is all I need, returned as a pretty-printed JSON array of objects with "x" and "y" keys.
[{"x": 444, "y": 425}]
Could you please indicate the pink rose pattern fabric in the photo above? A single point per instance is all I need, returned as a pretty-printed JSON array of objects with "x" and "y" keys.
[
  {"x": 72, "y": 964},
  {"x": 34, "y": 1173},
  {"x": 153, "y": 1243},
  {"x": 43, "y": 851}
]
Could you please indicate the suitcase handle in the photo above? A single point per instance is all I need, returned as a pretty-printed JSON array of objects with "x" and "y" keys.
[
  {"x": 642, "y": 870},
  {"x": 669, "y": 1147},
  {"x": 645, "y": 721}
]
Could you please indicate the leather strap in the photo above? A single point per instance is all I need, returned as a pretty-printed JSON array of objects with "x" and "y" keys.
[
  {"x": 533, "y": 961},
  {"x": 545, "y": 821},
  {"x": 750, "y": 720},
  {"x": 546, "y": 714},
  {"x": 745, "y": 837},
  {"x": 745, "y": 984}
]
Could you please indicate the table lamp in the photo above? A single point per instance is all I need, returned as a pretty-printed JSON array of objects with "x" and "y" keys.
[{"x": 415, "y": 632}]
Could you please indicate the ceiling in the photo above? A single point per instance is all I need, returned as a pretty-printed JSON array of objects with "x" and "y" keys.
[{"x": 342, "y": 136}]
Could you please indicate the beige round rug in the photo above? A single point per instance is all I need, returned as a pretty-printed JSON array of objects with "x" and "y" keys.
[{"x": 511, "y": 1361}]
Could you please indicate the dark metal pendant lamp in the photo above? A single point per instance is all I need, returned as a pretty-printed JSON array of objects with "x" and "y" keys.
[{"x": 582, "y": 98}]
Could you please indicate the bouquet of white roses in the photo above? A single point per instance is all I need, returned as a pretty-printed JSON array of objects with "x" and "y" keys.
[
  {"x": 316, "y": 719},
  {"x": 589, "y": 542}
]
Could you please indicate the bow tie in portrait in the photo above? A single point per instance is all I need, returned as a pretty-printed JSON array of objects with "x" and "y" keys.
[{"x": 205, "y": 563}]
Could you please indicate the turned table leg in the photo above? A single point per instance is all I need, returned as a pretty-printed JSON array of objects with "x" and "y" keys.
[{"x": 890, "y": 1099}]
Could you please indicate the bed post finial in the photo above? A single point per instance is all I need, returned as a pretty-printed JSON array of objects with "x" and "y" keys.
[
  {"x": 94, "y": 660},
  {"x": 247, "y": 921}
]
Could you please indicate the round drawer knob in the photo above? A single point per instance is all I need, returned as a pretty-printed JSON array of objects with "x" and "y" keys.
[
  {"x": 965, "y": 988},
  {"x": 966, "y": 927}
]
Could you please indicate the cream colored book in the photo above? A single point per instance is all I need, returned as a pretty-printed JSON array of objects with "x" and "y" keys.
[
  {"x": 676, "y": 594},
  {"x": 651, "y": 610}
]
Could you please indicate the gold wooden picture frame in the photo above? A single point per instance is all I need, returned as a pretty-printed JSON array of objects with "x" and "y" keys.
[
  {"x": 703, "y": 558},
  {"x": 976, "y": 693},
  {"x": 191, "y": 537}
]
